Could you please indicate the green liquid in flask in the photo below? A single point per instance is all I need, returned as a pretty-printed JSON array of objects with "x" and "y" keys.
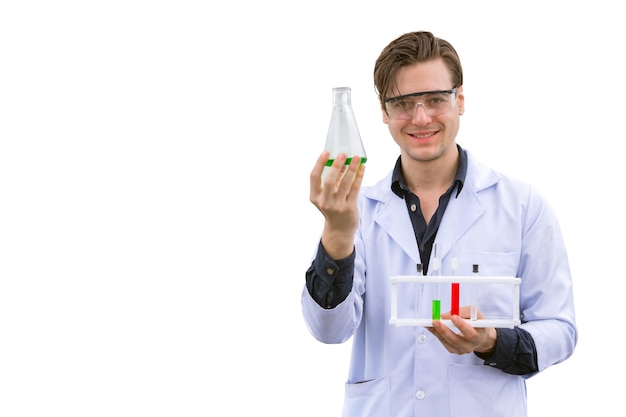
[{"x": 348, "y": 160}]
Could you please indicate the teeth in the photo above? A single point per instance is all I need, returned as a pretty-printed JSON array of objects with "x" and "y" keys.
[{"x": 423, "y": 136}]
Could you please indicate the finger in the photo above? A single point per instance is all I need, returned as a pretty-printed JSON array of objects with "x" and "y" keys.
[
  {"x": 467, "y": 330},
  {"x": 358, "y": 179},
  {"x": 318, "y": 169},
  {"x": 352, "y": 179},
  {"x": 443, "y": 332},
  {"x": 334, "y": 174},
  {"x": 465, "y": 312},
  {"x": 319, "y": 175},
  {"x": 449, "y": 339}
]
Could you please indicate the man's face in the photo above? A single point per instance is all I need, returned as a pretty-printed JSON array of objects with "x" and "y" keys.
[{"x": 424, "y": 137}]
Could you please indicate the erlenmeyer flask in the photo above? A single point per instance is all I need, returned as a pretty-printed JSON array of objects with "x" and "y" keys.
[{"x": 343, "y": 133}]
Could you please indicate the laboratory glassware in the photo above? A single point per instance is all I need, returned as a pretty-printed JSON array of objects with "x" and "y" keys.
[{"x": 343, "y": 132}]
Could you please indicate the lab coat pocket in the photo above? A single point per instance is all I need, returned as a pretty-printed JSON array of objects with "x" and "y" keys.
[
  {"x": 370, "y": 398},
  {"x": 482, "y": 391}
]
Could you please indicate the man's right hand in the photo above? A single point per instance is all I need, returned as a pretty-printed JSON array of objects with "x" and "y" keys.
[{"x": 335, "y": 195}]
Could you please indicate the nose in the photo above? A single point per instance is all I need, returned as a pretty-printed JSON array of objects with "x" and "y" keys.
[{"x": 418, "y": 115}]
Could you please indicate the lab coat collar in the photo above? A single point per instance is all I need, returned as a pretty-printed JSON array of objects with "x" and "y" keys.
[{"x": 461, "y": 213}]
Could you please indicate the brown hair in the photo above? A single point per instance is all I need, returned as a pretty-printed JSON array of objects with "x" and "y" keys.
[{"x": 410, "y": 49}]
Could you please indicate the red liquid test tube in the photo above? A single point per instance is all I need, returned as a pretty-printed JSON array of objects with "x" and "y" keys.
[{"x": 454, "y": 309}]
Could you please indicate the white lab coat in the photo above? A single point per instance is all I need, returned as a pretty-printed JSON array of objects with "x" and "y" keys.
[{"x": 499, "y": 223}]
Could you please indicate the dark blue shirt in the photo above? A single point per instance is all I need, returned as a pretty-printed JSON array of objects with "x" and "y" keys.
[{"x": 329, "y": 281}]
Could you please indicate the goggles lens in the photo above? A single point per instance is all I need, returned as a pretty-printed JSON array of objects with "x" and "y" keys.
[{"x": 434, "y": 103}]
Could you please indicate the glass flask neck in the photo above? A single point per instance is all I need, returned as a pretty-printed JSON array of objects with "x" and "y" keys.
[{"x": 342, "y": 96}]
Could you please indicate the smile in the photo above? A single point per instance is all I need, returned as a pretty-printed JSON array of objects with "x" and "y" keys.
[{"x": 423, "y": 135}]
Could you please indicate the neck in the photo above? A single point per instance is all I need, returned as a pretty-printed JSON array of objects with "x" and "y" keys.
[{"x": 433, "y": 175}]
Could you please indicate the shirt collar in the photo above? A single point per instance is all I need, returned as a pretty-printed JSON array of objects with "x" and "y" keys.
[{"x": 399, "y": 187}]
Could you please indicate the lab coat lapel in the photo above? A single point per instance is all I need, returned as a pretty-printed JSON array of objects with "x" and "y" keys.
[
  {"x": 465, "y": 209},
  {"x": 393, "y": 218},
  {"x": 461, "y": 213}
]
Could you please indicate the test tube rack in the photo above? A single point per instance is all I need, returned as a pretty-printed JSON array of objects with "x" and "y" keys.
[{"x": 444, "y": 279}]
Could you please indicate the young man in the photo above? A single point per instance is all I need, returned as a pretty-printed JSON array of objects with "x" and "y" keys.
[{"x": 437, "y": 193}]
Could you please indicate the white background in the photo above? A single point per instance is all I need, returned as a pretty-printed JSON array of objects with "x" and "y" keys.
[{"x": 154, "y": 217}]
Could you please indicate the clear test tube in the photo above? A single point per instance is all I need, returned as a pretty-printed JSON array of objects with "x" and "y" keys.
[
  {"x": 473, "y": 296},
  {"x": 420, "y": 290}
]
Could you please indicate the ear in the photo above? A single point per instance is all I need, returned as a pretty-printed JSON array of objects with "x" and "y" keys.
[
  {"x": 460, "y": 99},
  {"x": 385, "y": 116}
]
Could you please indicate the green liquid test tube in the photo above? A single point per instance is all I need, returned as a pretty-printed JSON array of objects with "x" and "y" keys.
[
  {"x": 436, "y": 309},
  {"x": 436, "y": 265}
]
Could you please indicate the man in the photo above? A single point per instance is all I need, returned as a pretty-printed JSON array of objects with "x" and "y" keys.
[{"x": 437, "y": 193}]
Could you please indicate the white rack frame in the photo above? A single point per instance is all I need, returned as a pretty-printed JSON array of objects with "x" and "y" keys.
[{"x": 445, "y": 279}]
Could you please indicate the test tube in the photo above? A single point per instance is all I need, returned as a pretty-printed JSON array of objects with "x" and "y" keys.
[
  {"x": 420, "y": 290},
  {"x": 454, "y": 307},
  {"x": 473, "y": 297},
  {"x": 436, "y": 266}
]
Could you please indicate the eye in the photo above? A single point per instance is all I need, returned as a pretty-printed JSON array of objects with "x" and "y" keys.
[
  {"x": 436, "y": 99},
  {"x": 408, "y": 102},
  {"x": 396, "y": 104}
]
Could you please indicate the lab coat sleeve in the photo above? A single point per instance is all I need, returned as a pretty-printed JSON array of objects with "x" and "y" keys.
[
  {"x": 338, "y": 324},
  {"x": 547, "y": 304}
]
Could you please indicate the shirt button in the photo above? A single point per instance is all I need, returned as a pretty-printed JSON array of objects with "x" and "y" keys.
[
  {"x": 413, "y": 207},
  {"x": 330, "y": 271},
  {"x": 420, "y": 395},
  {"x": 422, "y": 338}
]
